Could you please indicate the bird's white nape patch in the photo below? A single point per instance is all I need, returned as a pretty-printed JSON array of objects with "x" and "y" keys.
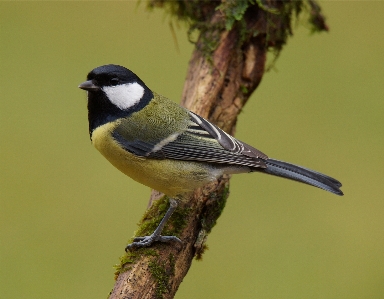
[{"x": 124, "y": 96}]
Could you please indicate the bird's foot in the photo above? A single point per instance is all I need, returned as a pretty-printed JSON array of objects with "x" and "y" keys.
[
  {"x": 156, "y": 236},
  {"x": 147, "y": 241}
]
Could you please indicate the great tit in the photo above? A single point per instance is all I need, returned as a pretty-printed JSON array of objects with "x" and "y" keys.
[{"x": 167, "y": 147}]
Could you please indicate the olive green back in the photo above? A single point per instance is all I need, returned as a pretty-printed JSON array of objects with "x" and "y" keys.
[{"x": 158, "y": 120}]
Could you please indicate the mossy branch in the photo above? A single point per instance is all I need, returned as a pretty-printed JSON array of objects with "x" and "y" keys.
[{"x": 226, "y": 67}]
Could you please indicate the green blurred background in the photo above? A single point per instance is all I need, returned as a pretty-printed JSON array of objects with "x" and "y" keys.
[{"x": 66, "y": 213}]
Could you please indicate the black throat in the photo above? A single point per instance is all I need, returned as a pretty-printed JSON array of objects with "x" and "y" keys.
[{"x": 102, "y": 111}]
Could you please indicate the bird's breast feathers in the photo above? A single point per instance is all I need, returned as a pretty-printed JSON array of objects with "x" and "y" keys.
[
  {"x": 172, "y": 177},
  {"x": 165, "y": 145}
]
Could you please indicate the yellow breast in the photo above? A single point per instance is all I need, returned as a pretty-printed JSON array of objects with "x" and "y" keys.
[{"x": 172, "y": 177}]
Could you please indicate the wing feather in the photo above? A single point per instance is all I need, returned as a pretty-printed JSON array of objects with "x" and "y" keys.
[
  {"x": 227, "y": 141},
  {"x": 201, "y": 141}
]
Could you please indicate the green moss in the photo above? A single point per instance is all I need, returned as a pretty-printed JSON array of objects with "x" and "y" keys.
[
  {"x": 131, "y": 257},
  {"x": 152, "y": 217},
  {"x": 155, "y": 214},
  {"x": 280, "y": 15},
  {"x": 172, "y": 263},
  {"x": 214, "y": 208},
  {"x": 177, "y": 222},
  {"x": 234, "y": 11},
  {"x": 244, "y": 89},
  {"x": 211, "y": 212},
  {"x": 161, "y": 273},
  {"x": 147, "y": 225}
]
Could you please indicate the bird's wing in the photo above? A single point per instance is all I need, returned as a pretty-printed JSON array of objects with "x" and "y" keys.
[
  {"x": 227, "y": 141},
  {"x": 200, "y": 141}
]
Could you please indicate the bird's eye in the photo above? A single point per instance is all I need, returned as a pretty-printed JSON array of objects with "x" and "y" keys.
[{"x": 114, "y": 81}]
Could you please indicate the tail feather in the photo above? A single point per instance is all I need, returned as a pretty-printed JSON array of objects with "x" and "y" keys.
[{"x": 302, "y": 174}]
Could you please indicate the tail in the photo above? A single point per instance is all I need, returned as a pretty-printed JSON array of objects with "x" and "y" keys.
[{"x": 301, "y": 174}]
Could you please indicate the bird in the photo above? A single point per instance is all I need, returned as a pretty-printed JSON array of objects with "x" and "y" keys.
[{"x": 169, "y": 148}]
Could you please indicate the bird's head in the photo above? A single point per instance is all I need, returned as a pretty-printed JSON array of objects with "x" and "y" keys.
[{"x": 113, "y": 92}]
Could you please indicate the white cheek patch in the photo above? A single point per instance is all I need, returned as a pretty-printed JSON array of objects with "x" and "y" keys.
[{"x": 124, "y": 96}]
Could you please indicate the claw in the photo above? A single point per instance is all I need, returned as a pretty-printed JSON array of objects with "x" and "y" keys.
[
  {"x": 137, "y": 239},
  {"x": 147, "y": 241}
]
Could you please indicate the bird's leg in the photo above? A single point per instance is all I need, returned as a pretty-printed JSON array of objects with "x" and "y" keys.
[{"x": 156, "y": 237}]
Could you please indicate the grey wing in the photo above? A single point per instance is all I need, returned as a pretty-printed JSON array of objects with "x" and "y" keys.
[
  {"x": 225, "y": 140},
  {"x": 201, "y": 141}
]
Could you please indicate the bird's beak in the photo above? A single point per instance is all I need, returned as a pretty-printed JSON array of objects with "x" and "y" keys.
[{"x": 88, "y": 85}]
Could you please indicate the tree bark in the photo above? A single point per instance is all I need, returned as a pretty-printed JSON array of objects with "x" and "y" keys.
[{"x": 217, "y": 87}]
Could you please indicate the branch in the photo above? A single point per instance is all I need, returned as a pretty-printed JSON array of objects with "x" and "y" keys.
[{"x": 218, "y": 84}]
